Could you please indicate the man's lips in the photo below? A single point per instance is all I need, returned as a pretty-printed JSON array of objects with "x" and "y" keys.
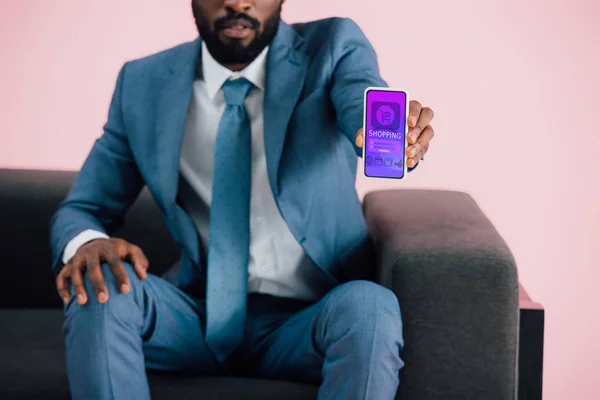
[
  {"x": 237, "y": 32},
  {"x": 237, "y": 23},
  {"x": 237, "y": 29}
]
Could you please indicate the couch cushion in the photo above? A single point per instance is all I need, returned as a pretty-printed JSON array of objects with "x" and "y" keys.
[{"x": 32, "y": 366}]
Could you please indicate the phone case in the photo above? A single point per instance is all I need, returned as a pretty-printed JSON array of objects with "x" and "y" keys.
[{"x": 365, "y": 131}]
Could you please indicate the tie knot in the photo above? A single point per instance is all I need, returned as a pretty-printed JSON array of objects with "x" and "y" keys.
[{"x": 236, "y": 91}]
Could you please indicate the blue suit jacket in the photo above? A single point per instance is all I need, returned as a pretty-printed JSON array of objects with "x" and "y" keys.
[{"x": 315, "y": 79}]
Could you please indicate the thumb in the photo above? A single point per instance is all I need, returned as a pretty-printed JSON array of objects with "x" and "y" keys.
[{"x": 359, "y": 138}]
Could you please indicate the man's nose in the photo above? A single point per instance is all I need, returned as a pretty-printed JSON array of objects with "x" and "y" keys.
[{"x": 239, "y": 5}]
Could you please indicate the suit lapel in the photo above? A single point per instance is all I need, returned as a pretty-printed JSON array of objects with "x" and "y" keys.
[
  {"x": 174, "y": 101},
  {"x": 285, "y": 75}
]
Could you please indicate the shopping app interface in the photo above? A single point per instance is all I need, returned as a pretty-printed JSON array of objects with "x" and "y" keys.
[{"x": 384, "y": 134}]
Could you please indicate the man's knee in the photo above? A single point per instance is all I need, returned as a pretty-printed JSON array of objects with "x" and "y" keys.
[
  {"x": 358, "y": 296},
  {"x": 366, "y": 305},
  {"x": 118, "y": 304}
]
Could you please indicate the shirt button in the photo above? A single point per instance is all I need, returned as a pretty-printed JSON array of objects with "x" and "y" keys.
[
  {"x": 258, "y": 220},
  {"x": 264, "y": 268}
]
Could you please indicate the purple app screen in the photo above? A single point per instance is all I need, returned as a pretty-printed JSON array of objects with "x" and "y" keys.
[{"x": 384, "y": 134}]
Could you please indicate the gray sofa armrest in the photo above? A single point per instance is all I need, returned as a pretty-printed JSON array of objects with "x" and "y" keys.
[{"x": 456, "y": 282}]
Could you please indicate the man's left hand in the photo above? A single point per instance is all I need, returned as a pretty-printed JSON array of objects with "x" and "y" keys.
[{"x": 420, "y": 133}]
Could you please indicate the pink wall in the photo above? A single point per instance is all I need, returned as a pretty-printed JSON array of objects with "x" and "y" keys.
[{"x": 514, "y": 85}]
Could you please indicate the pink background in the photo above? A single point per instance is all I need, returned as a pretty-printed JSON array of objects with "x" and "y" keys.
[{"x": 514, "y": 84}]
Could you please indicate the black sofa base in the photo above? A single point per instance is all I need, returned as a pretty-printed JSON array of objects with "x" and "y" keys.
[{"x": 32, "y": 362}]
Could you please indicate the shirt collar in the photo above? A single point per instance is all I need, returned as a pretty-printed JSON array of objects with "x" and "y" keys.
[{"x": 214, "y": 74}]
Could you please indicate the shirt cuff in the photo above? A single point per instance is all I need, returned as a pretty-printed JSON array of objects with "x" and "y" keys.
[{"x": 79, "y": 240}]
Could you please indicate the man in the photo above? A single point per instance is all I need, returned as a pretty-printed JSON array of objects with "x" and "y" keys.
[{"x": 252, "y": 130}]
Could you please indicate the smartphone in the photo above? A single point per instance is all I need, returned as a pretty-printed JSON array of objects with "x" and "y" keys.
[{"x": 385, "y": 127}]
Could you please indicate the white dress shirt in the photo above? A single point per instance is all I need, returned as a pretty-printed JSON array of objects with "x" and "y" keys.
[{"x": 278, "y": 264}]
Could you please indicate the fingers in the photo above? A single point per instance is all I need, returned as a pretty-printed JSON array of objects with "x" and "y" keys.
[
  {"x": 61, "y": 283},
  {"x": 76, "y": 266},
  {"x": 425, "y": 137},
  {"x": 413, "y": 150},
  {"x": 90, "y": 257},
  {"x": 118, "y": 270},
  {"x": 139, "y": 261},
  {"x": 413, "y": 161},
  {"x": 422, "y": 121},
  {"x": 414, "y": 154},
  {"x": 414, "y": 110},
  {"x": 418, "y": 150},
  {"x": 97, "y": 279},
  {"x": 359, "y": 138}
]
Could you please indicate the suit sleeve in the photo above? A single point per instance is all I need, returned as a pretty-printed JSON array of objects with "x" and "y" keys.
[
  {"x": 355, "y": 68},
  {"x": 105, "y": 187}
]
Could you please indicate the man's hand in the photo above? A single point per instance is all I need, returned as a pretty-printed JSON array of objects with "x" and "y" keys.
[
  {"x": 420, "y": 133},
  {"x": 89, "y": 257}
]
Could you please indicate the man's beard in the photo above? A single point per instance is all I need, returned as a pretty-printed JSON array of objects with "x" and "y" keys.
[{"x": 235, "y": 52}]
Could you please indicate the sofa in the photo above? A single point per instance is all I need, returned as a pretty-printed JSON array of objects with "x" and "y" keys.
[{"x": 454, "y": 276}]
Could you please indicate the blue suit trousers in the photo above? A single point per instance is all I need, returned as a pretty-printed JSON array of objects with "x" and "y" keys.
[{"x": 348, "y": 342}]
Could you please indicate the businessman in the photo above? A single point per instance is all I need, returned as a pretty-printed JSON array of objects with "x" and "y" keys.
[{"x": 247, "y": 139}]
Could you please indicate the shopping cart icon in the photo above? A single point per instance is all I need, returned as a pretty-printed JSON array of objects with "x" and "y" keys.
[{"x": 385, "y": 115}]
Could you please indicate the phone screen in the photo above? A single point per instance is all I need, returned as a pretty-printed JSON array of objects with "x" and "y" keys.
[{"x": 384, "y": 130}]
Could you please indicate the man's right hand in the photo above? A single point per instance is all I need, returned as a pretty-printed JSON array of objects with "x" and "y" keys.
[{"x": 89, "y": 257}]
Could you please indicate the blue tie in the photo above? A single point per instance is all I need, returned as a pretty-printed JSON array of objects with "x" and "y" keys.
[{"x": 229, "y": 231}]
